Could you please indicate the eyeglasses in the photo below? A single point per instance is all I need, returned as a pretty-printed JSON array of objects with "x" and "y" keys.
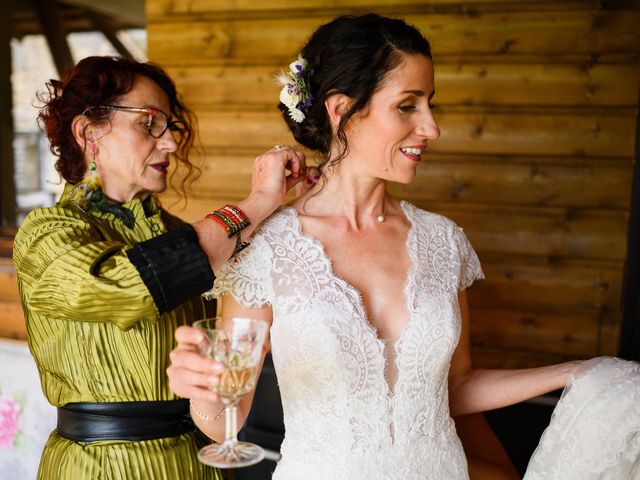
[{"x": 157, "y": 121}]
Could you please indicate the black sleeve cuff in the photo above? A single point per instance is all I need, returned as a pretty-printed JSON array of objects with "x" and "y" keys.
[{"x": 173, "y": 267}]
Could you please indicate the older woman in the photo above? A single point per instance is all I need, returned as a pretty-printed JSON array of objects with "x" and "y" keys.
[{"x": 107, "y": 275}]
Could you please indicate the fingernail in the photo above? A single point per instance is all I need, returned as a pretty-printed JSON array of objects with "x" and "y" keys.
[
  {"x": 217, "y": 367},
  {"x": 213, "y": 381}
]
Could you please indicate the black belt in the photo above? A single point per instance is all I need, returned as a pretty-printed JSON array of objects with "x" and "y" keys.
[{"x": 136, "y": 421}]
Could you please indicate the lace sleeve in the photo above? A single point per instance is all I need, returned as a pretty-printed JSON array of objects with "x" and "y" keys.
[
  {"x": 470, "y": 269},
  {"x": 247, "y": 276}
]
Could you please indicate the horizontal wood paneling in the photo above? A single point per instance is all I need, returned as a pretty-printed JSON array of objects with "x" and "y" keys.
[
  {"x": 518, "y": 231},
  {"x": 501, "y": 183},
  {"x": 531, "y": 185},
  {"x": 561, "y": 332},
  {"x": 535, "y": 356},
  {"x": 537, "y": 102},
  {"x": 593, "y": 32},
  {"x": 546, "y": 232},
  {"x": 11, "y": 317},
  {"x": 8, "y": 281},
  {"x": 12, "y": 321},
  {"x": 572, "y": 135},
  {"x": 160, "y": 10},
  {"x": 241, "y": 87},
  {"x": 534, "y": 282}
]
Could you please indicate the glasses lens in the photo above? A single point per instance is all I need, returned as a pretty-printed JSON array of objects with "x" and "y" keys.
[
  {"x": 178, "y": 130},
  {"x": 157, "y": 123}
]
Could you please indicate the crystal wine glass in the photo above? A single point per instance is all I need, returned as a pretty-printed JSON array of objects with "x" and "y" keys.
[{"x": 237, "y": 343}]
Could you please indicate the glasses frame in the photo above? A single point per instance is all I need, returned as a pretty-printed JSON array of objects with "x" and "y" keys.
[{"x": 173, "y": 126}]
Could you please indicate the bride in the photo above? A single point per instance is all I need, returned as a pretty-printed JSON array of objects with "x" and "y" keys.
[{"x": 365, "y": 295}]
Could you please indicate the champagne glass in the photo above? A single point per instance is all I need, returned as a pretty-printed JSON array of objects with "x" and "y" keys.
[{"x": 237, "y": 343}]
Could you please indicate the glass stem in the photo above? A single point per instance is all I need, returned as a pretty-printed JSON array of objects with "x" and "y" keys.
[{"x": 231, "y": 423}]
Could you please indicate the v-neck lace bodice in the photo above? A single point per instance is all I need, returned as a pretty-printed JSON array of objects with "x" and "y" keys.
[
  {"x": 342, "y": 419},
  {"x": 349, "y": 416}
]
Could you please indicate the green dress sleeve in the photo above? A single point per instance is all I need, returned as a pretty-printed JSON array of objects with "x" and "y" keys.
[{"x": 68, "y": 271}]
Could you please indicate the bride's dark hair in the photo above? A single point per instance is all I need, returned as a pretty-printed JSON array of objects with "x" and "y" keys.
[{"x": 350, "y": 55}]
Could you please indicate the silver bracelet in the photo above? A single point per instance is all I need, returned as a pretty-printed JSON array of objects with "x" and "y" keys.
[{"x": 203, "y": 416}]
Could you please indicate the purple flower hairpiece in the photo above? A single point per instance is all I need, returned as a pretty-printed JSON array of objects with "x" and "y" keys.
[{"x": 295, "y": 93}]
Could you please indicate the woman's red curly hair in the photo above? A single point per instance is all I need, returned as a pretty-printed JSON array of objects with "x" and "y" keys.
[{"x": 102, "y": 80}]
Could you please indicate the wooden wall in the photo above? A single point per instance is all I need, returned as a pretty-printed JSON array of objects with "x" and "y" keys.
[
  {"x": 537, "y": 102},
  {"x": 11, "y": 318}
]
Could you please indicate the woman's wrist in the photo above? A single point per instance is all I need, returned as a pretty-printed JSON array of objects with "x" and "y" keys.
[
  {"x": 209, "y": 413},
  {"x": 258, "y": 206}
]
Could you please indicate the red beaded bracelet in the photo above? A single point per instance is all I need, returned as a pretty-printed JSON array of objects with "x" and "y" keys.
[{"x": 231, "y": 218}]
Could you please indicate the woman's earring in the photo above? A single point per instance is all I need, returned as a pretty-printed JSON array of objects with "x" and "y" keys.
[
  {"x": 87, "y": 195},
  {"x": 85, "y": 190}
]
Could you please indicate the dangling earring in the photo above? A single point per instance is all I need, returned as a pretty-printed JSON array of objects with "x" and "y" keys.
[
  {"x": 87, "y": 194},
  {"x": 86, "y": 190}
]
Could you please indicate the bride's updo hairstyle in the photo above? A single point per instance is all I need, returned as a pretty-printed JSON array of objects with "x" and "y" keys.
[{"x": 350, "y": 55}]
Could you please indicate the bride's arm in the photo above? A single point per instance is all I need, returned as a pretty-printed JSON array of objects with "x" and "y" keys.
[
  {"x": 476, "y": 390},
  {"x": 190, "y": 374}
]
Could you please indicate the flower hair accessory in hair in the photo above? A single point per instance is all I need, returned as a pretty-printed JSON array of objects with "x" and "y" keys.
[{"x": 295, "y": 93}]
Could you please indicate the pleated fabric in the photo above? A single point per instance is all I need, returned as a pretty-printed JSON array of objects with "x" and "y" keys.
[{"x": 97, "y": 336}]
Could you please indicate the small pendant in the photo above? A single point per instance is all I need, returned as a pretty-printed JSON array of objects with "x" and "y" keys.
[{"x": 380, "y": 218}]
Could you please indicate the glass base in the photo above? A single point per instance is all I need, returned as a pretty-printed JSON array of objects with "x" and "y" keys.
[{"x": 231, "y": 454}]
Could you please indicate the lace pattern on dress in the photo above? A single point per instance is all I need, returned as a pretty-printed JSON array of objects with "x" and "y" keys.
[{"x": 332, "y": 367}]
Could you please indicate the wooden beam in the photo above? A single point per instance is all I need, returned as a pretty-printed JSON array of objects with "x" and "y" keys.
[
  {"x": 127, "y": 11},
  {"x": 7, "y": 181},
  {"x": 108, "y": 31},
  {"x": 55, "y": 33}
]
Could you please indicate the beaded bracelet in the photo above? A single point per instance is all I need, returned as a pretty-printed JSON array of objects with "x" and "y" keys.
[
  {"x": 231, "y": 218},
  {"x": 204, "y": 416}
]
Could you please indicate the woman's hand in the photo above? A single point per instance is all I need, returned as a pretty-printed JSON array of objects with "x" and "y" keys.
[
  {"x": 190, "y": 374},
  {"x": 270, "y": 181}
]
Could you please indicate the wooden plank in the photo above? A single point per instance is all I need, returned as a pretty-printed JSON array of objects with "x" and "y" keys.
[
  {"x": 552, "y": 233},
  {"x": 158, "y": 10},
  {"x": 12, "y": 321},
  {"x": 609, "y": 340},
  {"x": 6, "y": 241},
  {"x": 511, "y": 134},
  {"x": 525, "y": 283},
  {"x": 546, "y": 232},
  {"x": 55, "y": 33},
  {"x": 215, "y": 86},
  {"x": 558, "y": 332},
  {"x": 486, "y": 183},
  {"x": 486, "y": 357},
  {"x": 537, "y": 84},
  {"x": 504, "y": 33},
  {"x": 527, "y": 185},
  {"x": 8, "y": 281}
]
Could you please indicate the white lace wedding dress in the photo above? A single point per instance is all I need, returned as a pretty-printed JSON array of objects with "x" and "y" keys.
[{"x": 350, "y": 411}]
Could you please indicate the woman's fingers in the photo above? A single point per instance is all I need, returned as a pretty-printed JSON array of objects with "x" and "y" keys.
[
  {"x": 191, "y": 375},
  {"x": 310, "y": 179},
  {"x": 296, "y": 163},
  {"x": 186, "y": 335},
  {"x": 188, "y": 390}
]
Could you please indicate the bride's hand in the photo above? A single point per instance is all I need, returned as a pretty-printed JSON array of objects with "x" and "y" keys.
[{"x": 190, "y": 374}]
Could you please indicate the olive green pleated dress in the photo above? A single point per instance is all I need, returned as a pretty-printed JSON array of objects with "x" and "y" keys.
[{"x": 96, "y": 335}]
